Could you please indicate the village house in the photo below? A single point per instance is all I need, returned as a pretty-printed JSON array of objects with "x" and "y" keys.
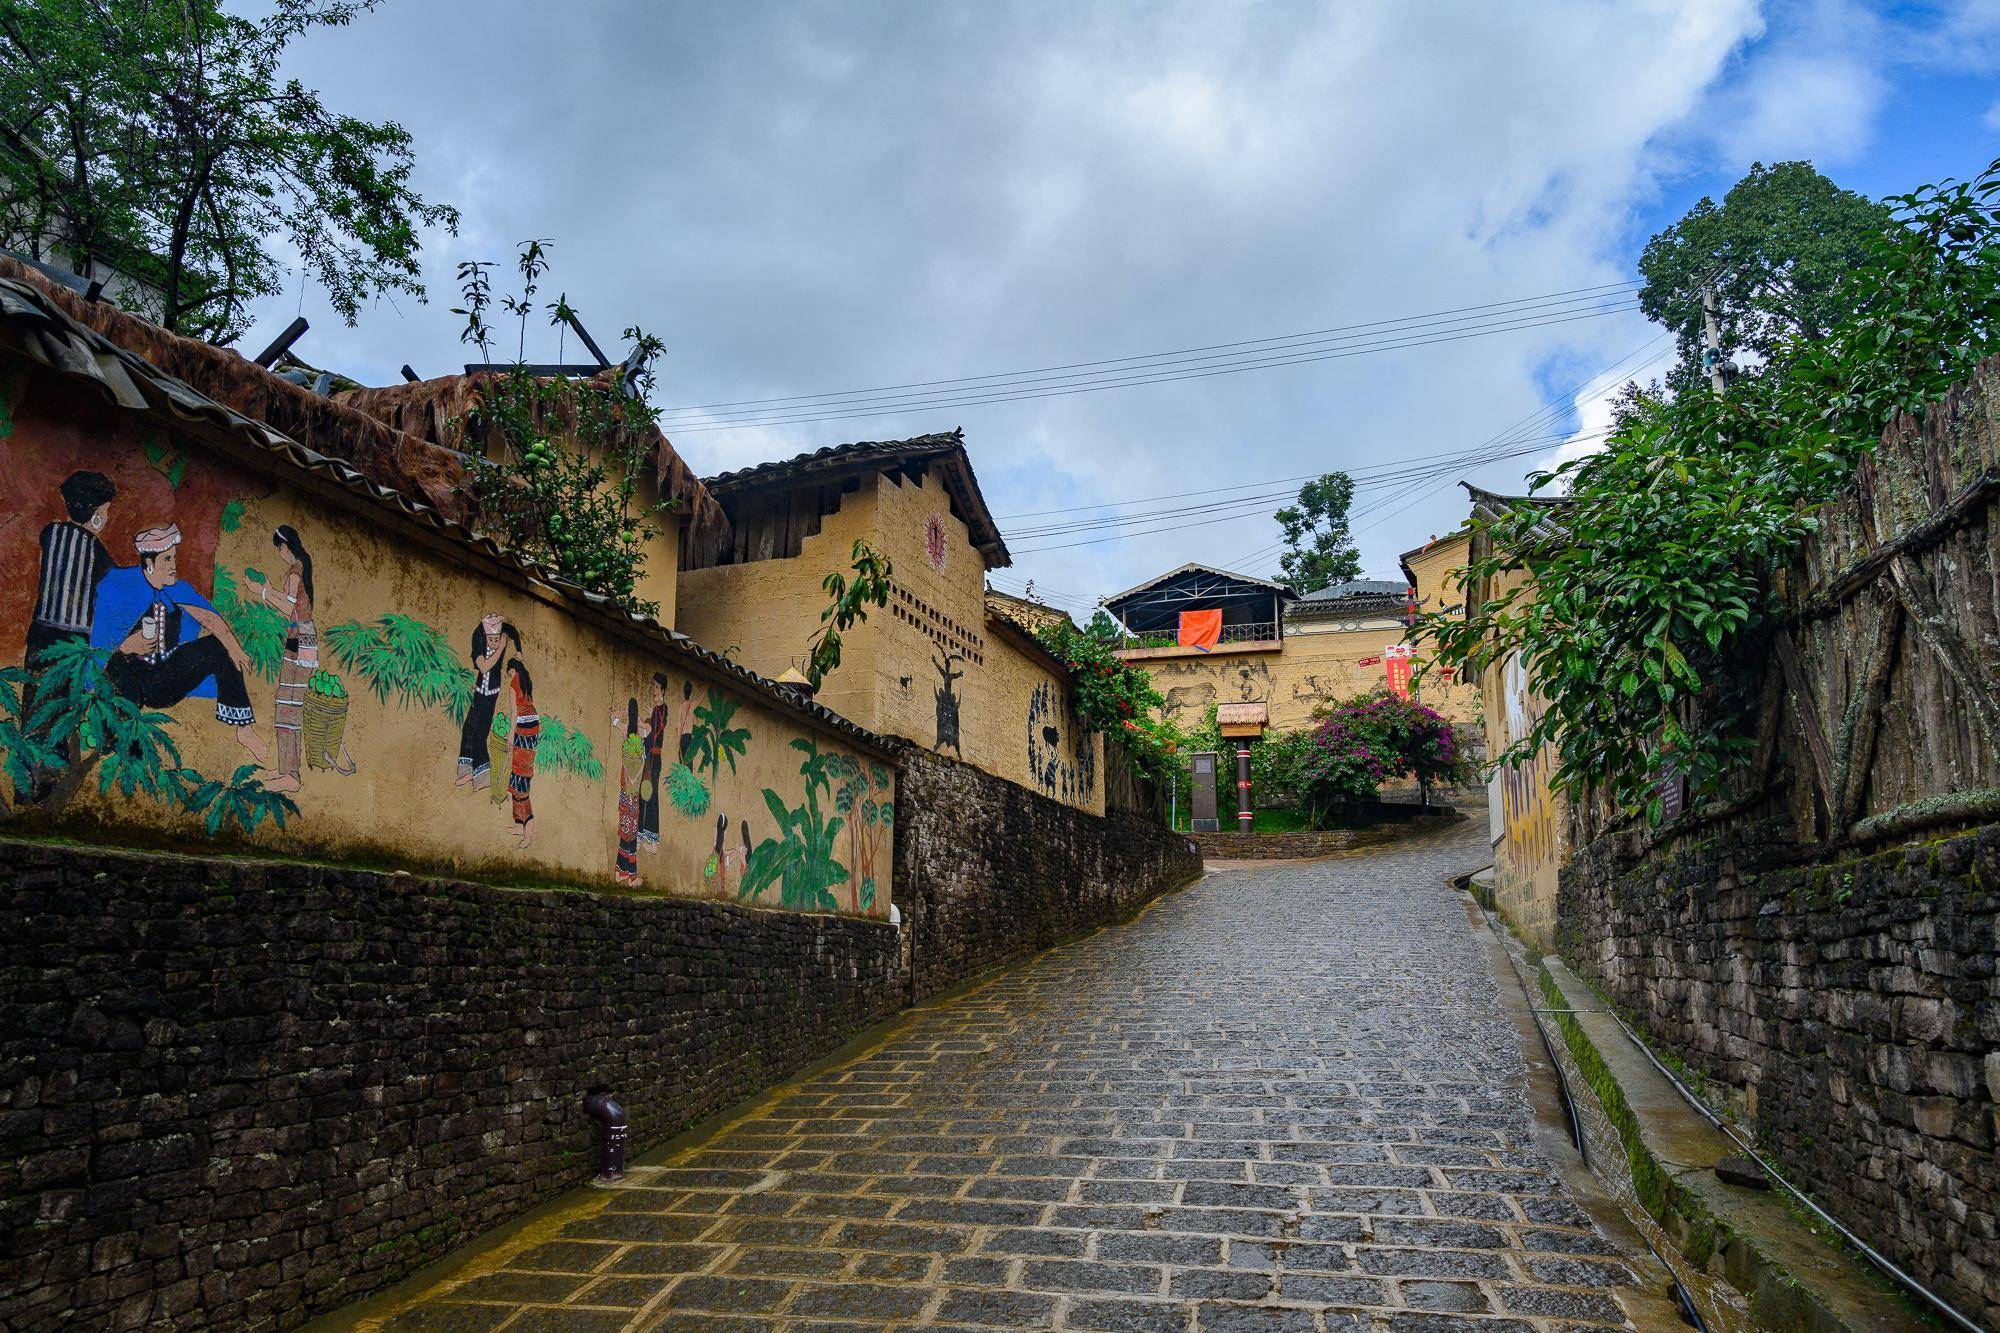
[
  {"x": 938, "y": 665},
  {"x": 1291, "y": 654}
]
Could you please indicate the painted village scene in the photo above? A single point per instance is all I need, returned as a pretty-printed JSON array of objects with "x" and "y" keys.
[{"x": 1460, "y": 790}]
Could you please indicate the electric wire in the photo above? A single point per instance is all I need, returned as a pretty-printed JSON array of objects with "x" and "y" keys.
[
  {"x": 828, "y": 396},
  {"x": 1143, "y": 379}
]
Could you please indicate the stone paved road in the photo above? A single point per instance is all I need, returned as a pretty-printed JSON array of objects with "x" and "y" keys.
[{"x": 1284, "y": 1099}]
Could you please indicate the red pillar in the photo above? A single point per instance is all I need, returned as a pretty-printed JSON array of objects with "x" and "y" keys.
[{"x": 1243, "y": 813}]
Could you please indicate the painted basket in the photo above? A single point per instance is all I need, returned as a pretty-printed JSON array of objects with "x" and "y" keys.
[
  {"x": 325, "y": 723},
  {"x": 500, "y": 752}
]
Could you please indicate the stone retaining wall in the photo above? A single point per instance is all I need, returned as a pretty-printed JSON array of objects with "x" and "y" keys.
[
  {"x": 988, "y": 872},
  {"x": 1304, "y": 843},
  {"x": 236, "y": 1093},
  {"x": 1850, "y": 1012}
]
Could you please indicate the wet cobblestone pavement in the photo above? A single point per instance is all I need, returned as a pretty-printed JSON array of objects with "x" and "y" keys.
[{"x": 1284, "y": 1099}]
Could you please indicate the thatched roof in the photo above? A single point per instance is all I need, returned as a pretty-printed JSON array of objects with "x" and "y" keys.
[
  {"x": 36, "y": 324},
  {"x": 386, "y": 456},
  {"x": 445, "y": 411}
]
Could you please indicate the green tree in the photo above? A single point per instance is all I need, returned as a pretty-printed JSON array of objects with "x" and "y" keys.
[
  {"x": 158, "y": 136},
  {"x": 852, "y": 596},
  {"x": 1777, "y": 250},
  {"x": 1318, "y": 548},
  {"x": 1652, "y": 606},
  {"x": 558, "y": 482},
  {"x": 1102, "y": 626}
]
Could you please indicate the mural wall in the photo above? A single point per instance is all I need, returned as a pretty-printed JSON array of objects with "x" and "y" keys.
[
  {"x": 1528, "y": 819},
  {"x": 928, "y": 666},
  {"x": 222, "y": 655},
  {"x": 1314, "y": 666}
]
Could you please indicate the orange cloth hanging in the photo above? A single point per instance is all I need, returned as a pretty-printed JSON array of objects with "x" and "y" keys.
[{"x": 1201, "y": 629}]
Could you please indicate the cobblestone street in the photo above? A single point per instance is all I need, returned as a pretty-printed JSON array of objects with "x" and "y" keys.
[{"x": 1287, "y": 1098}]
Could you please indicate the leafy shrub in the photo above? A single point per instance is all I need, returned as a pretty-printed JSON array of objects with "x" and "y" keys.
[
  {"x": 1366, "y": 741},
  {"x": 1113, "y": 698},
  {"x": 1648, "y": 615}
]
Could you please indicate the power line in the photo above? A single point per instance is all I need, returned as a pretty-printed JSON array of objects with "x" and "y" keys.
[
  {"x": 1232, "y": 369},
  {"x": 1364, "y": 480},
  {"x": 1224, "y": 518},
  {"x": 1150, "y": 356}
]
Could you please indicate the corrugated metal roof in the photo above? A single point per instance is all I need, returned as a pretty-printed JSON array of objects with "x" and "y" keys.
[{"x": 1334, "y": 592}]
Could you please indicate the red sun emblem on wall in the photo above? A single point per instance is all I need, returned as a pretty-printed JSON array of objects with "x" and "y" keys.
[{"x": 934, "y": 542}]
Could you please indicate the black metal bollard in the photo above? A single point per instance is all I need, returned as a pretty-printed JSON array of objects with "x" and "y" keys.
[{"x": 599, "y": 1106}]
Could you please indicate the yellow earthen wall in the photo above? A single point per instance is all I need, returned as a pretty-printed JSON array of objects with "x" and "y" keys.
[
  {"x": 893, "y": 666},
  {"x": 402, "y": 802},
  {"x": 1313, "y": 667},
  {"x": 1527, "y": 818}
]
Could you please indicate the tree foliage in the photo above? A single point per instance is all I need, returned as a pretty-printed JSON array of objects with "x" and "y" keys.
[
  {"x": 1647, "y": 616},
  {"x": 561, "y": 490},
  {"x": 1359, "y": 744},
  {"x": 1319, "y": 551},
  {"x": 1776, "y": 250},
  {"x": 1102, "y": 626},
  {"x": 1113, "y": 698},
  {"x": 852, "y": 593},
  {"x": 157, "y": 135}
]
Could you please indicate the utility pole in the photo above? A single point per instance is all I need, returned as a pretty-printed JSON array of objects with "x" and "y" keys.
[{"x": 1711, "y": 355}]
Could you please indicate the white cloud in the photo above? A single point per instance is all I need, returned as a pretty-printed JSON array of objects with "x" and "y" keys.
[{"x": 802, "y": 199}]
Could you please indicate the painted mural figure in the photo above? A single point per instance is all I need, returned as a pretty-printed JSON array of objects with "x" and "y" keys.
[
  {"x": 527, "y": 735},
  {"x": 725, "y": 858},
  {"x": 168, "y": 644},
  {"x": 74, "y": 564},
  {"x": 649, "y": 775},
  {"x": 947, "y": 703},
  {"x": 490, "y": 638},
  {"x": 633, "y": 762},
  {"x": 301, "y": 655}
]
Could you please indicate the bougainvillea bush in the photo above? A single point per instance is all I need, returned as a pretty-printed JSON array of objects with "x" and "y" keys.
[{"x": 1367, "y": 741}]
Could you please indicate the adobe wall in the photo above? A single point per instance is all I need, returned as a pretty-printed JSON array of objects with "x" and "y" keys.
[
  {"x": 1312, "y": 667},
  {"x": 379, "y": 775},
  {"x": 927, "y": 667}
]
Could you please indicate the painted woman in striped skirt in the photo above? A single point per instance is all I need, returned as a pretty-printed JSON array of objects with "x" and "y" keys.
[
  {"x": 527, "y": 735},
  {"x": 633, "y": 764},
  {"x": 294, "y": 600}
]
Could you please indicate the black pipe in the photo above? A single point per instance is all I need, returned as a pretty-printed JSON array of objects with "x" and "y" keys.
[
  {"x": 282, "y": 343},
  {"x": 599, "y": 1106}
]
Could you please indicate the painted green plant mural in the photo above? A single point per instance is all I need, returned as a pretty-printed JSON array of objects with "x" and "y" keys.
[
  {"x": 686, "y": 792},
  {"x": 64, "y": 720},
  {"x": 711, "y": 742},
  {"x": 561, "y": 750},
  {"x": 259, "y": 627},
  {"x": 400, "y": 657},
  {"x": 861, "y": 795},
  {"x": 800, "y": 859},
  {"x": 712, "y": 739}
]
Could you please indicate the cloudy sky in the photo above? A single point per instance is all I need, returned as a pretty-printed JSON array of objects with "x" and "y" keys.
[{"x": 810, "y": 199}]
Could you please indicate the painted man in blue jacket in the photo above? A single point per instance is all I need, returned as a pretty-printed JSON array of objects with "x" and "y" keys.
[{"x": 168, "y": 644}]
